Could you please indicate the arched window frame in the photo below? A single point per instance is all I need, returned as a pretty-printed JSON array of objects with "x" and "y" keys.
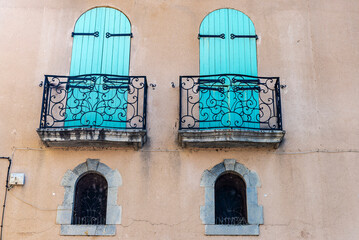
[
  {"x": 114, "y": 211},
  {"x": 254, "y": 211}
]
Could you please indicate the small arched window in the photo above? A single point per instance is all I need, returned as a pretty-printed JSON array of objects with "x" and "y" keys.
[
  {"x": 230, "y": 200},
  {"x": 90, "y": 200}
]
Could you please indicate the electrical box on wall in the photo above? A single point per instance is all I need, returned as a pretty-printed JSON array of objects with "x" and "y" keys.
[{"x": 17, "y": 179}]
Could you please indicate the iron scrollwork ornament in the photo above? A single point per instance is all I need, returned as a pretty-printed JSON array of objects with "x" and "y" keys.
[
  {"x": 230, "y": 101},
  {"x": 94, "y": 101}
]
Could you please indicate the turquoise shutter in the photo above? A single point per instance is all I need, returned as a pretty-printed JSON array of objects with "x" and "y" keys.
[
  {"x": 99, "y": 106},
  {"x": 214, "y": 60},
  {"x": 116, "y": 49},
  {"x": 115, "y": 60},
  {"x": 228, "y": 56}
]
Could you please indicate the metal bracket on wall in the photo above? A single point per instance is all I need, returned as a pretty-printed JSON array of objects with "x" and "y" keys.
[{"x": 153, "y": 86}]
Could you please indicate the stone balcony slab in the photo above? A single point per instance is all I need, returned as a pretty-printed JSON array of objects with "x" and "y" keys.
[
  {"x": 226, "y": 138},
  {"x": 92, "y": 137}
]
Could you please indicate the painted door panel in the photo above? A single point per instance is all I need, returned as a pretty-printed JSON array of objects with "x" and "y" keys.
[
  {"x": 228, "y": 56},
  {"x": 98, "y": 106}
]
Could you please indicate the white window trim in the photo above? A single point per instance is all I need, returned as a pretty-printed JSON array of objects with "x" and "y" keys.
[
  {"x": 254, "y": 211},
  {"x": 114, "y": 211}
]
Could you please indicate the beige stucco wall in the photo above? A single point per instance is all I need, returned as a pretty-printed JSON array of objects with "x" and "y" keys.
[{"x": 310, "y": 45}]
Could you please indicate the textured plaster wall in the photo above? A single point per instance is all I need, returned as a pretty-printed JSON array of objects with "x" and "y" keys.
[{"x": 311, "y": 45}]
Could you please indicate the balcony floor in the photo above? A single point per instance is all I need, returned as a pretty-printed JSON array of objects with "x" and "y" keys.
[
  {"x": 92, "y": 137},
  {"x": 226, "y": 138}
]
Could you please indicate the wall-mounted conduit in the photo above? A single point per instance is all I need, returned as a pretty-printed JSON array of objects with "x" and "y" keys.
[{"x": 6, "y": 189}]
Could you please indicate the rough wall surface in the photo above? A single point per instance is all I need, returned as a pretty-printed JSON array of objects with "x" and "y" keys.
[{"x": 309, "y": 184}]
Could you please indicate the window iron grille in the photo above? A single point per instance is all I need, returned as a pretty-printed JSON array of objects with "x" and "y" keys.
[
  {"x": 230, "y": 200},
  {"x": 90, "y": 200}
]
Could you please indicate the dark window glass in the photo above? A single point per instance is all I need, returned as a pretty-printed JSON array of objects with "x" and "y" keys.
[
  {"x": 90, "y": 200},
  {"x": 230, "y": 200}
]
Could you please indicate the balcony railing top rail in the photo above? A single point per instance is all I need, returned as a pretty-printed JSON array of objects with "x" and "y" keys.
[
  {"x": 230, "y": 101},
  {"x": 94, "y": 101}
]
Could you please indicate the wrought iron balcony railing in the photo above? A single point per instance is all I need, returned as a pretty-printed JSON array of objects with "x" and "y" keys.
[
  {"x": 230, "y": 101},
  {"x": 94, "y": 101}
]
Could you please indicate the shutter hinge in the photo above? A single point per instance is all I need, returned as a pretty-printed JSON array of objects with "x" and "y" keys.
[
  {"x": 233, "y": 36},
  {"x": 212, "y": 36},
  {"x": 108, "y": 35},
  {"x": 95, "y": 34}
]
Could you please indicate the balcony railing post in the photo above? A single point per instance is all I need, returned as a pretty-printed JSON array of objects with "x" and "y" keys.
[
  {"x": 45, "y": 95},
  {"x": 145, "y": 104},
  {"x": 180, "y": 103},
  {"x": 279, "y": 105}
]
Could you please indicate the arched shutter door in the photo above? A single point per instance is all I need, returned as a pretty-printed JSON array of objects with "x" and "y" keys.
[
  {"x": 101, "y": 104},
  {"x": 236, "y": 55}
]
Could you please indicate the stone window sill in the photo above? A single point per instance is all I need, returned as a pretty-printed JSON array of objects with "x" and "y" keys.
[
  {"x": 88, "y": 230},
  {"x": 232, "y": 230}
]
